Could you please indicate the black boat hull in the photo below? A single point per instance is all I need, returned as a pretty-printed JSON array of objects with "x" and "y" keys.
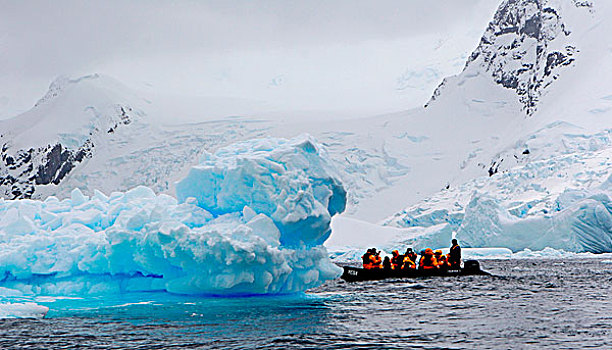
[{"x": 355, "y": 274}]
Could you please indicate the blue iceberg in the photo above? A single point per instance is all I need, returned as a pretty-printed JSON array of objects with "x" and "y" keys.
[
  {"x": 582, "y": 224},
  {"x": 249, "y": 219}
]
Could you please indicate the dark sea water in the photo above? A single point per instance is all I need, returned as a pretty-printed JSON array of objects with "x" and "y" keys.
[{"x": 528, "y": 304}]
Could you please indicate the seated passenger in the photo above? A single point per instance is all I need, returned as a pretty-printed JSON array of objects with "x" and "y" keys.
[
  {"x": 411, "y": 254},
  {"x": 428, "y": 260},
  {"x": 437, "y": 255},
  {"x": 408, "y": 263},
  {"x": 397, "y": 260},
  {"x": 387, "y": 264},
  {"x": 366, "y": 259},
  {"x": 442, "y": 261},
  {"x": 375, "y": 259}
]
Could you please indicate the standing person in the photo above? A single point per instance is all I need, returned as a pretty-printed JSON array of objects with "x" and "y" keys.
[{"x": 455, "y": 255}]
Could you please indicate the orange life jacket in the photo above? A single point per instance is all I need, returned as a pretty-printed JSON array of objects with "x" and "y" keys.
[
  {"x": 428, "y": 262},
  {"x": 397, "y": 261},
  {"x": 443, "y": 262},
  {"x": 408, "y": 263},
  {"x": 375, "y": 261}
]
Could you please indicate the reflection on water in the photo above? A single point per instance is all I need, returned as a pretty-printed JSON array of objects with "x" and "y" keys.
[{"x": 528, "y": 304}]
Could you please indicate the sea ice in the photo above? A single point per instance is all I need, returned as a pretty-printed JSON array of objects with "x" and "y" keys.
[{"x": 249, "y": 219}]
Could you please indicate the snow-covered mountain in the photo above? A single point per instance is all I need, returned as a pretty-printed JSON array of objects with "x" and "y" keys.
[
  {"x": 519, "y": 145},
  {"x": 526, "y": 46},
  {"x": 65, "y": 128},
  {"x": 96, "y": 134},
  {"x": 478, "y": 125},
  {"x": 539, "y": 82},
  {"x": 525, "y": 127}
]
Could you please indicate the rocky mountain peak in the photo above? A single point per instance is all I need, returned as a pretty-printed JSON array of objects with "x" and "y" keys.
[
  {"x": 42, "y": 146},
  {"x": 525, "y": 48}
]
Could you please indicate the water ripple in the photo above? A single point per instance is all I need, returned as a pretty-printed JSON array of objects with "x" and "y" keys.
[{"x": 553, "y": 304}]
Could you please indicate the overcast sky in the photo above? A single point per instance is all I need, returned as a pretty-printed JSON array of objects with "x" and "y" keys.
[{"x": 221, "y": 48}]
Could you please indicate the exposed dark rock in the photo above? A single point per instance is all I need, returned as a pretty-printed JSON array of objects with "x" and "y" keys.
[
  {"x": 47, "y": 170},
  {"x": 59, "y": 162},
  {"x": 65, "y": 169},
  {"x": 532, "y": 27},
  {"x": 517, "y": 51},
  {"x": 36, "y": 167},
  {"x": 494, "y": 168}
]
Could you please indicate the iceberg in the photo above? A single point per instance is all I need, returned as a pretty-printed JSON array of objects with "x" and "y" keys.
[
  {"x": 22, "y": 310},
  {"x": 300, "y": 198},
  {"x": 249, "y": 219},
  {"x": 582, "y": 225}
]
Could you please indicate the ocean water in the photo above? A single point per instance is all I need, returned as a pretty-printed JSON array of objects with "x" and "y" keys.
[{"x": 527, "y": 304}]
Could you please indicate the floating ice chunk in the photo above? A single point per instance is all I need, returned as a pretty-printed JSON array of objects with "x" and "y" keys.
[
  {"x": 483, "y": 253},
  {"x": 551, "y": 253},
  {"x": 251, "y": 220},
  {"x": 22, "y": 310}
]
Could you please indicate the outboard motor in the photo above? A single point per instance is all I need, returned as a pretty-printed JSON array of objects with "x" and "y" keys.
[{"x": 471, "y": 266}]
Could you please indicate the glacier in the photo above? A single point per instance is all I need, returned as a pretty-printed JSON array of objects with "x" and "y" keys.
[
  {"x": 585, "y": 226},
  {"x": 249, "y": 219},
  {"x": 519, "y": 211}
]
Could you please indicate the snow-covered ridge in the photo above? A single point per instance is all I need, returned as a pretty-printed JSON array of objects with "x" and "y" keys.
[
  {"x": 526, "y": 46},
  {"x": 60, "y": 84},
  {"x": 43, "y": 145}
]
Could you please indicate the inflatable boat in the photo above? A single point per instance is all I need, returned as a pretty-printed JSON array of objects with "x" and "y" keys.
[{"x": 356, "y": 274}]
